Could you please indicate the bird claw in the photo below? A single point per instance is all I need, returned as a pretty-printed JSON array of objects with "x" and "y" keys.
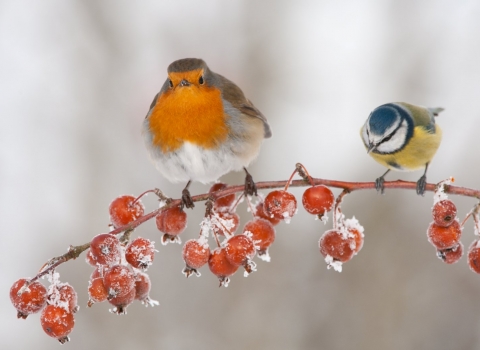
[
  {"x": 379, "y": 185},
  {"x": 250, "y": 187},
  {"x": 187, "y": 201},
  {"x": 421, "y": 184}
]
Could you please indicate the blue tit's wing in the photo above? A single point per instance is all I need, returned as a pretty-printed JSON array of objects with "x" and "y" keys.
[{"x": 423, "y": 117}]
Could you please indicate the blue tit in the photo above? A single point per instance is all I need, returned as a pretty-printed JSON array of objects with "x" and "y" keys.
[{"x": 402, "y": 137}]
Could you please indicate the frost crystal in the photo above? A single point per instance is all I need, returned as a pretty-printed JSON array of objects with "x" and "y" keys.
[
  {"x": 331, "y": 263},
  {"x": 440, "y": 194}
]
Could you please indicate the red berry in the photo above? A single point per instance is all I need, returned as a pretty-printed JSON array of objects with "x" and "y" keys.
[
  {"x": 358, "y": 238},
  {"x": 172, "y": 221},
  {"x": 90, "y": 259},
  {"x": 123, "y": 211},
  {"x": 63, "y": 296},
  {"x": 223, "y": 203},
  {"x": 121, "y": 302},
  {"x": 140, "y": 253},
  {"x": 474, "y": 256},
  {"x": 262, "y": 233},
  {"x": 444, "y": 237},
  {"x": 280, "y": 205},
  {"x": 96, "y": 288},
  {"x": 57, "y": 322},
  {"x": 32, "y": 300},
  {"x": 318, "y": 200},
  {"x": 225, "y": 222},
  {"x": 452, "y": 255},
  {"x": 444, "y": 212},
  {"x": 336, "y": 248},
  {"x": 119, "y": 281},
  {"x": 142, "y": 286},
  {"x": 220, "y": 266},
  {"x": 105, "y": 249},
  {"x": 240, "y": 249},
  {"x": 260, "y": 212},
  {"x": 195, "y": 255}
]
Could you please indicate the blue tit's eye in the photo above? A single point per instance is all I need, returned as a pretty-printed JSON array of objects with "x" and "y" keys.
[
  {"x": 170, "y": 83},
  {"x": 388, "y": 138},
  {"x": 200, "y": 81}
]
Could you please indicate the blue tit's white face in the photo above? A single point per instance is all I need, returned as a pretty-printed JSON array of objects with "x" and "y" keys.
[{"x": 386, "y": 129}]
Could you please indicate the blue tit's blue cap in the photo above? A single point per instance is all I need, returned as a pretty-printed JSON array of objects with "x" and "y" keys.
[{"x": 384, "y": 117}]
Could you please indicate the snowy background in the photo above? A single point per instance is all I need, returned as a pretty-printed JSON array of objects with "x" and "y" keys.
[{"x": 76, "y": 80}]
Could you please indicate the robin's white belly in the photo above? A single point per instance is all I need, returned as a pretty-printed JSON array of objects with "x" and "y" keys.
[{"x": 191, "y": 162}]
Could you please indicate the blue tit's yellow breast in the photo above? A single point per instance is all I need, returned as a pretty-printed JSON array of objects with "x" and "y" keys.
[{"x": 419, "y": 151}]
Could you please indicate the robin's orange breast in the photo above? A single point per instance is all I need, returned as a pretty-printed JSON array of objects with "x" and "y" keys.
[{"x": 192, "y": 113}]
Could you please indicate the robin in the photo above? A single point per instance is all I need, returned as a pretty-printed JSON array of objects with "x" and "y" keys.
[{"x": 201, "y": 126}]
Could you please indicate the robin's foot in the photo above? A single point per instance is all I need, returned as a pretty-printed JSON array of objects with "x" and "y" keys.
[
  {"x": 421, "y": 184},
  {"x": 187, "y": 201},
  {"x": 379, "y": 184},
  {"x": 250, "y": 187}
]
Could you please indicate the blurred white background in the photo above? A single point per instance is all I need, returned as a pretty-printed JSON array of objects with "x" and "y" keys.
[{"x": 76, "y": 80}]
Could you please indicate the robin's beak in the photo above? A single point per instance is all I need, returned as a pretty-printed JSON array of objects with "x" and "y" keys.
[
  {"x": 371, "y": 147},
  {"x": 184, "y": 82}
]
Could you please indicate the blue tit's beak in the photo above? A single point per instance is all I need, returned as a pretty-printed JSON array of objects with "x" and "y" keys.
[{"x": 371, "y": 147}]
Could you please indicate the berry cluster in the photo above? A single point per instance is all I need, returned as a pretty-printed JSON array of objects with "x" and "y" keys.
[
  {"x": 120, "y": 264},
  {"x": 445, "y": 230},
  {"x": 58, "y": 304}
]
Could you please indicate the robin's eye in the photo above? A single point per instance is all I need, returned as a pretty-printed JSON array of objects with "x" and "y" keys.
[
  {"x": 170, "y": 82},
  {"x": 200, "y": 81}
]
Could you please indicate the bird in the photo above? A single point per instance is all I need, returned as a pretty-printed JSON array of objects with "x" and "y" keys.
[
  {"x": 403, "y": 137},
  {"x": 201, "y": 126}
]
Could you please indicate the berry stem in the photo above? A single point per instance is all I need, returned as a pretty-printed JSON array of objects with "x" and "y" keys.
[
  {"x": 337, "y": 210},
  {"x": 347, "y": 187},
  {"x": 303, "y": 172}
]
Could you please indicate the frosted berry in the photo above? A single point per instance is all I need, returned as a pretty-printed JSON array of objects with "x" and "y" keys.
[
  {"x": 452, "y": 255},
  {"x": 260, "y": 212},
  {"x": 226, "y": 222},
  {"x": 222, "y": 203},
  {"x": 239, "y": 249},
  {"x": 32, "y": 300},
  {"x": 338, "y": 246},
  {"x": 220, "y": 266},
  {"x": 64, "y": 296},
  {"x": 444, "y": 237},
  {"x": 140, "y": 253},
  {"x": 358, "y": 238},
  {"x": 96, "y": 288},
  {"x": 171, "y": 222},
  {"x": 474, "y": 256},
  {"x": 118, "y": 281},
  {"x": 57, "y": 322},
  {"x": 262, "y": 233},
  {"x": 123, "y": 211},
  {"x": 444, "y": 212},
  {"x": 142, "y": 286},
  {"x": 121, "y": 302},
  {"x": 90, "y": 259},
  {"x": 195, "y": 255},
  {"x": 318, "y": 200},
  {"x": 105, "y": 249},
  {"x": 280, "y": 205}
]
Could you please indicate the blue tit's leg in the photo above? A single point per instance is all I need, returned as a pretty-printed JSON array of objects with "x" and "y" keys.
[
  {"x": 422, "y": 182},
  {"x": 250, "y": 187},
  {"x": 379, "y": 182},
  {"x": 187, "y": 198}
]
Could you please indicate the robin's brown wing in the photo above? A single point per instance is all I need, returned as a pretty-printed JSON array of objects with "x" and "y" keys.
[{"x": 233, "y": 94}]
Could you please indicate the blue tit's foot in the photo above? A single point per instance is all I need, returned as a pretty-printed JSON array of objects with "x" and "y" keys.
[
  {"x": 187, "y": 201},
  {"x": 250, "y": 187},
  {"x": 421, "y": 184},
  {"x": 379, "y": 185}
]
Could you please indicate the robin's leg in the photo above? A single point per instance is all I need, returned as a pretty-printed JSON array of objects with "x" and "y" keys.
[
  {"x": 250, "y": 187},
  {"x": 422, "y": 182},
  {"x": 187, "y": 198},
  {"x": 379, "y": 182}
]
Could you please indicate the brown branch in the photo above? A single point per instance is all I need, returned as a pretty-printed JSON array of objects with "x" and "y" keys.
[{"x": 75, "y": 251}]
